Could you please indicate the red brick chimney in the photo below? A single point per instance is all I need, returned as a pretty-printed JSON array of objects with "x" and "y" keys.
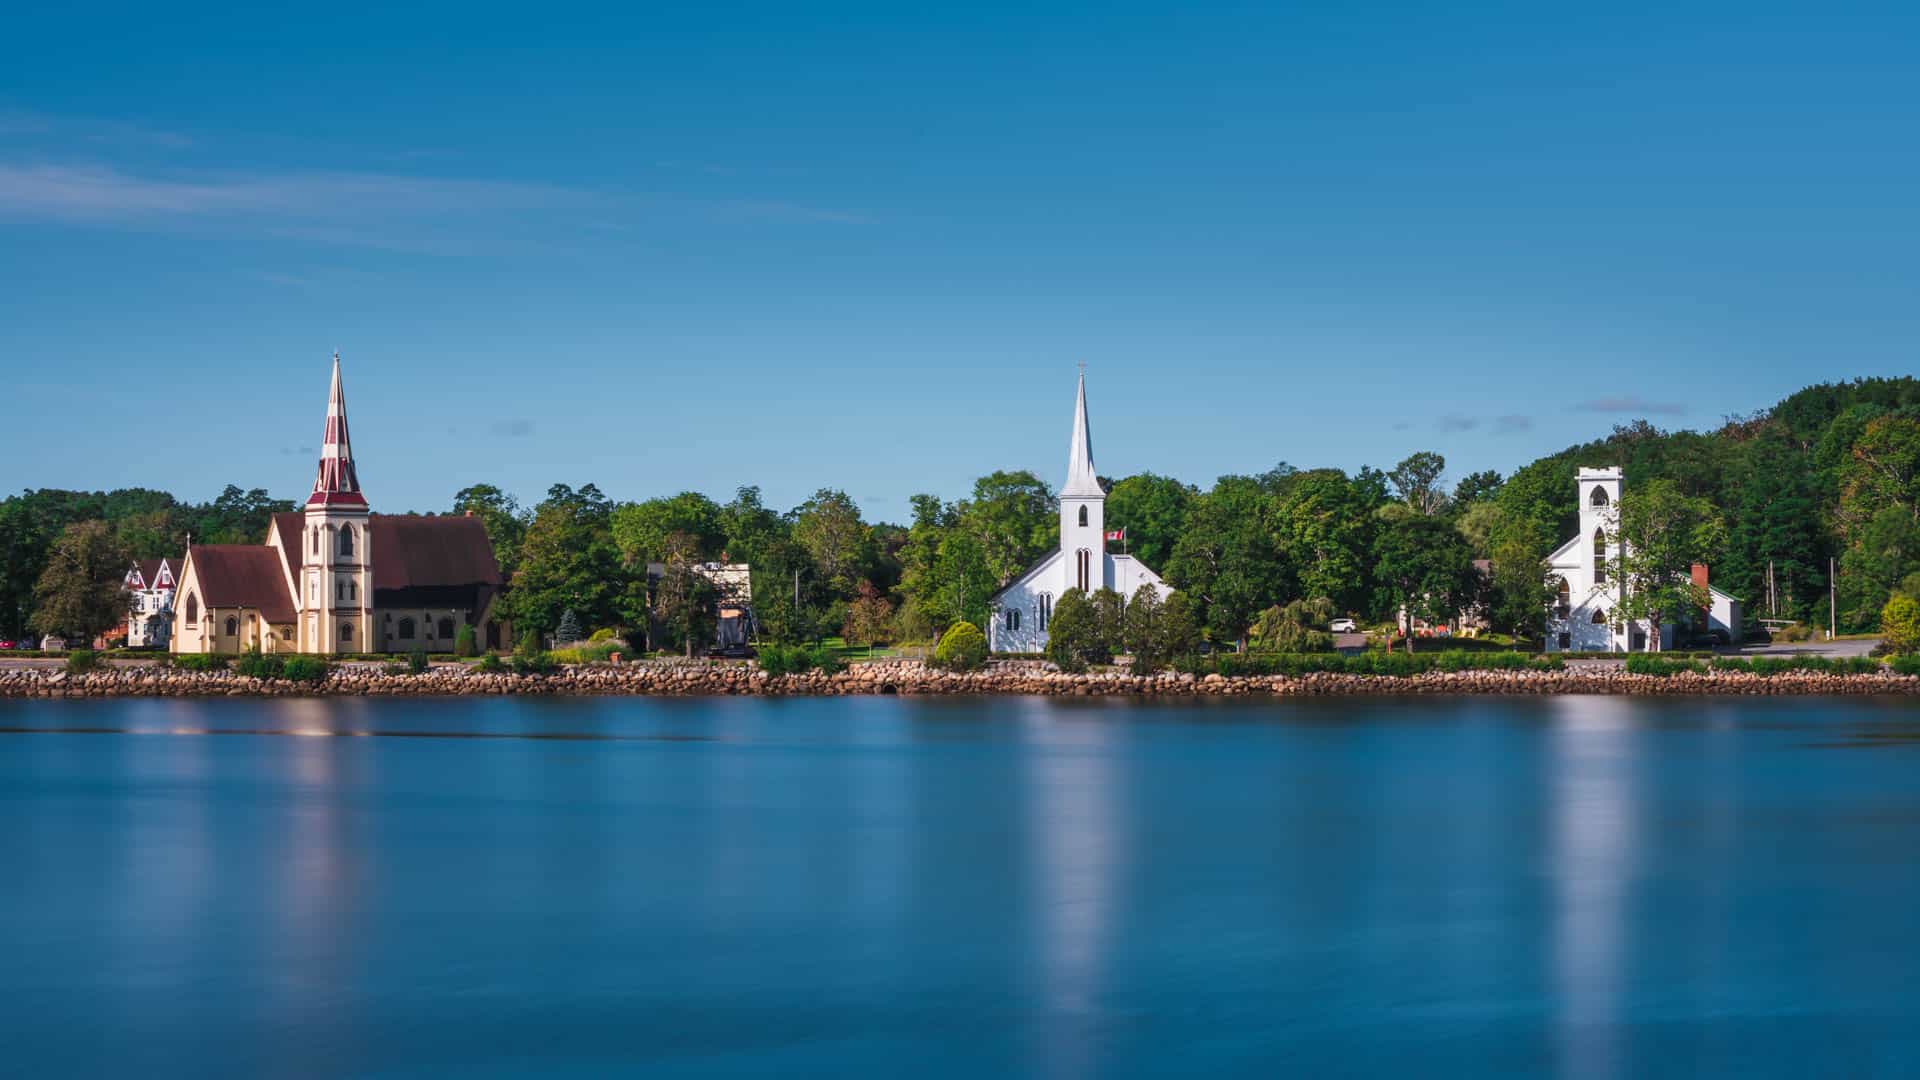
[{"x": 1700, "y": 582}]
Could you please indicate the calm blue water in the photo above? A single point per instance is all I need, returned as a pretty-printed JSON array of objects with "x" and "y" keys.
[{"x": 1583, "y": 887}]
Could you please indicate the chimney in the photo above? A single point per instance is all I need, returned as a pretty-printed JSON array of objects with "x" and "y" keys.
[{"x": 1700, "y": 582}]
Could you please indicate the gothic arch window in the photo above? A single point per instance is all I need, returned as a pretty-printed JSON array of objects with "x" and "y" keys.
[
  {"x": 1562, "y": 597},
  {"x": 346, "y": 632},
  {"x": 1046, "y": 610},
  {"x": 446, "y": 627},
  {"x": 346, "y": 541},
  {"x": 1599, "y": 556},
  {"x": 1013, "y": 618},
  {"x": 193, "y": 610},
  {"x": 1083, "y": 570},
  {"x": 1599, "y": 617},
  {"x": 314, "y": 533},
  {"x": 233, "y": 626},
  {"x": 406, "y": 629},
  {"x": 1599, "y": 497},
  {"x": 1083, "y": 517}
]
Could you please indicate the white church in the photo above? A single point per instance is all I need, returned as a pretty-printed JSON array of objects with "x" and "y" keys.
[
  {"x": 1021, "y": 610},
  {"x": 1588, "y": 587}
]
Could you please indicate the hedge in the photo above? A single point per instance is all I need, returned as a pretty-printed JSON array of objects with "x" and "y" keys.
[{"x": 1369, "y": 663}]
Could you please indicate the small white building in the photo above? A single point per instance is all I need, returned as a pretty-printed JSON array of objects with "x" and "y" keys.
[
  {"x": 150, "y": 584},
  {"x": 1584, "y": 575},
  {"x": 1021, "y": 610}
]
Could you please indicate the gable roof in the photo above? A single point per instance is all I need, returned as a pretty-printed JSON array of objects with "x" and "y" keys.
[
  {"x": 411, "y": 552},
  {"x": 241, "y": 575},
  {"x": 1044, "y": 562}
]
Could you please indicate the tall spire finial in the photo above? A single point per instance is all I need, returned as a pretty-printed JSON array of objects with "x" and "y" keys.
[
  {"x": 336, "y": 483},
  {"x": 1082, "y": 481}
]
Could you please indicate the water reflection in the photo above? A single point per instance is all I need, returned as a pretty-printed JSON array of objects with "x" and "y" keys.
[
  {"x": 1591, "y": 785},
  {"x": 1077, "y": 844}
]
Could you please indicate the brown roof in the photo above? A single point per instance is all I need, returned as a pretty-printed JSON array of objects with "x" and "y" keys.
[
  {"x": 150, "y": 569},
  {"x": 412, "y": 552},
  {"x": 242, "y": 575}
]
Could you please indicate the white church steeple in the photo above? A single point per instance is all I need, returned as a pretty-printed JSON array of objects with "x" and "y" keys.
[{"x": 1083, "y": 506}]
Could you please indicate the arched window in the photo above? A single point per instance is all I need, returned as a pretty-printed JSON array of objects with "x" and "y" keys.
[
  {"x": 446, "y": 627},
  {"x": 193, "y": 610},
  {"x": 233, "y": 626},
  {"x": 1562, "y": 597},
  {"x": 1013, "y": 618},
  {"x": 346, "y": 631},
  {"x": 1046, "y": 610},
  {"x": 1599, "y": 556},
  {"x": 406, "y": 629},
  {"x": 314, "y": 533},
  {"x": 1598, "y": 498},
  {"x": 1083, "y": 567},
  {"x": 346, "y": 541},
  {"x": 1599, "y": 617},
  {"x": 1083, "y": 517}
]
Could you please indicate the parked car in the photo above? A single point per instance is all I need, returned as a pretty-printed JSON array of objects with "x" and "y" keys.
[{"x": 1343, "y": 626}]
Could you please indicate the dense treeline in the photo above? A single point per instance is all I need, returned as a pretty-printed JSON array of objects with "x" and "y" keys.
[{"x": 1831, "y": 472}]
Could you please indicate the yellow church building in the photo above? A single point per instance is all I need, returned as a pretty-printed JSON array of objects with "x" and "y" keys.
[{"x": 333, "y": 577}]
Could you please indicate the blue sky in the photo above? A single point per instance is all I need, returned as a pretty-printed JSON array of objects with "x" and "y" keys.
[{"x": 864, "y": 246}]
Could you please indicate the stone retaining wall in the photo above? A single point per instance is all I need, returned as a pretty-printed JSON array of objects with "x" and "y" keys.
[{"x": 911, "y": 677}]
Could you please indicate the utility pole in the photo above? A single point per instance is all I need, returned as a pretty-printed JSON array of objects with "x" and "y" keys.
[{"x": 1833, "y": 602}]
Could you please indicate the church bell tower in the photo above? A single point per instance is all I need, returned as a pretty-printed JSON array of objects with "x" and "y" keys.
[
  {"x": 1083, "y": 507},
  {"x": 336, "y": 563}
]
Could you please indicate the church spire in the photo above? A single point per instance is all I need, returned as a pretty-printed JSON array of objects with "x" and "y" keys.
[
  {"x": 1082, "y": 481},
  {"x": 336, "y": 484}
]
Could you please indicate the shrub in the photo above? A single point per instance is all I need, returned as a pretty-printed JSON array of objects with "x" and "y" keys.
[
  {"x": 306, "y": 669},
  {"x": 490, "y": 663},
  {"x": 962, "y": 648},
  {"x": 393, "y": 669},
  {"x": 1397, "y": 665},
  {"x": 81, "y": 661},
  {"x": 1660, "y": 666},
  {"x": 1795, "y": 632},
  {"x": 784, "y": 659},
  {"x": 534, "y": 663},
  {"x": 568, "y": 632},
  {"x": 601, "y": 651},
  {"x": 463, "y": 641},
  {"x": 200, "y": 662},
  {"x": 258, "y": 665},
  {"x": 417, "y": 662},
  {"x": 1906, "y": 665},
  {"x": 605, "y": 633},
  {"x": 1900, "y": 625},
  {"x": 825, "y": 660}
]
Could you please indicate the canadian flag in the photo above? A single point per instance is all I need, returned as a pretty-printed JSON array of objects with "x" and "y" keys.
[{"x": 1120, "y": 535}]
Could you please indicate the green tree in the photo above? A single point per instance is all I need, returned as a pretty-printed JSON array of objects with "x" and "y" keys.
[
  {"x": 1153, "y": 511},
  {"x": 1326, "y": 525},
  {"x": 963, "y": 583},
  {"x": 1073, "y": 634},
  {"x": 501, "y": 516},
  {"x": 1295, "y": 627},
  {"x": 1424, "y": 569},
  {"x": 568, "y": 631},
  {"x": 82, "y": 591},
  {"x": 1145, "y": 636},
  {"x": 1662, "y": 533},
  {"x": 568, "y": 560},
  {"x": 1179, "y": 633},
  {"x": 683, "y": 598},
  {"x": 1416, "y": 480},
  {"x": 1109, "y": 619},
  {"x": 829, "y": 527},
  {"x": 1477, "y": 487},
  {"x": 869, "y": 618},
  {"x": 1014, "y": 518},
  {"x": 643, "y": 529},
  {"x": 1228, "y": 561},
  {"x": 1883, "y": 552}
]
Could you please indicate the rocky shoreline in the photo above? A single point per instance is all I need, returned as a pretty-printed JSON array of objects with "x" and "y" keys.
[{"x": 912, "y": 677}]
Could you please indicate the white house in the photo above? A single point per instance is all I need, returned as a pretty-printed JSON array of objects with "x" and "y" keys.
[
  {"x": 1588, "y": 588},
  {"x": 1021, "y": 610},
  {"x": 150, "y": 618}
]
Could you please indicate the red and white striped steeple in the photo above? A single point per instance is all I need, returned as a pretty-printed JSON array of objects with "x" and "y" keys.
[{"x": 336, "y": 484}]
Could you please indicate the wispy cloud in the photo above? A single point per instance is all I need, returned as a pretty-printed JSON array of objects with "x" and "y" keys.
[
  {"x": 1512, "y": 424},
  {"x": 296, "y": 451},
  {"x": 511, "y": 429},
  {"x": 16, "y": 124},
  {"x": 1454, "y": 422},
  {"x": 1631, "y": 403},
  {"x": 95, "y": 193}
]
